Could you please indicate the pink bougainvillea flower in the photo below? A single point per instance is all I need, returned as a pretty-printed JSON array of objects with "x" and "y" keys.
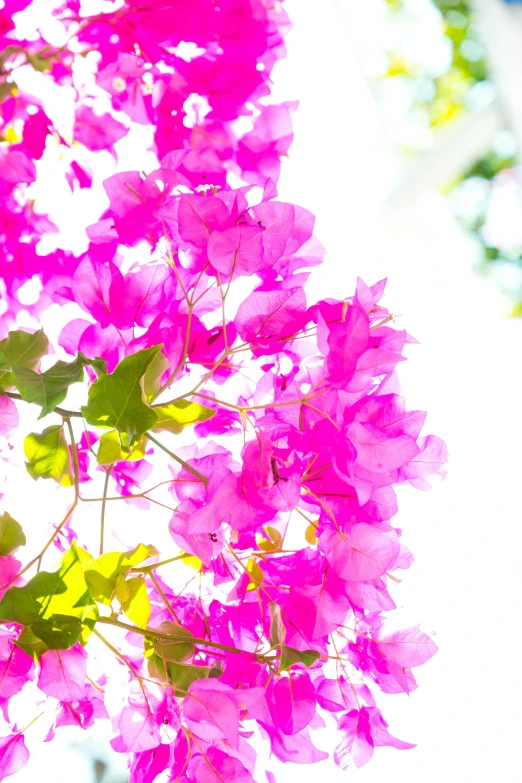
[
  {"x": 97, "y": 132},
  {"x": 8, "y": 416},
  {"x": 16, "y": 667},
  {"x": 13, "y": 755},
  {"x": 265, "y": 426},
  {"x": 62, "y": 673}
]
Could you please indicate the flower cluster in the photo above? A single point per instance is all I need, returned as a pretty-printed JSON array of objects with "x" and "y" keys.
[
  {"x": 196, "y": 73},
  {"x": 267, "y": 613}
]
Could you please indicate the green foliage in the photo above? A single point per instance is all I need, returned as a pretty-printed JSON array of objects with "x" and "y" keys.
[
  {"x": 176, "y": 415},
  {"x": 11, "y": 535},
  {"x": 101, "y": 573},
  {"x": 437, "y": 98},
  {"x": 59, "y": 632},
  {"x": 57, "y": 607},
  {"x": 277, "y": 630},
  {"x": 118, "y": 400},
  {"x": 153, "y": 374},
  {"x": 30, "y": 643},
  {"x": 179, "y": 675},
  {"x": 133, "y": 597},
  {"x": 22, "y": 349},
  {"x": 180, "y": 645},
  {"x": 48, "y": 456},
  {"x": 289, "y": 656},
  {"x": 48, "y": 389},
  {"x": 116, "y": 446}
]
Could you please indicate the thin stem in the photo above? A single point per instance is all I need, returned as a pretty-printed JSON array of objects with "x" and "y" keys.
[
  {"x": 30, "y": 724},
  {"x": 60, "y": 411},
  {"x": 75, "y": 458},
  {"x": 117, "y": 653},
  {"x": 163, "y": 596},
  {"x": 172, "y": 376},
  {"x": 225, "y": 338},
  {"x": 155, "y": 635},
  {"x": 146, "y": 569},
  {"x": 58, "y": 529},
  {"x": 141, "y": 494},
  {"x": 188, "y": 467},
  {"x": 104, "y": 500},
  {"x": 323, "y": 413}
]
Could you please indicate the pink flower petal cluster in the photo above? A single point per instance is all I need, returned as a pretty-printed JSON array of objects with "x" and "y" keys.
[
  {"x": 189, "y": 70},
  {"x": 281, "y": 508}
]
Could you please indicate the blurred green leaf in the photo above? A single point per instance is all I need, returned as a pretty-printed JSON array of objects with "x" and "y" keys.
[
  {"x": 23, "y": 349},
  {"x": 11, "y": 534}
]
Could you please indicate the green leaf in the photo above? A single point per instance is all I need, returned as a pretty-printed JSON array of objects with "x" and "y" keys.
[
  {"x": 173, "y": 417},
  {"x": 277, "y": 629},
  {"x": 179, "y": 675},
  {"x": 117, "y": 400},
  {"x": 48, "y": 456},
  {"x": 11, "y": 535},
  {"x": 30, "y": 643},
  {"x": 59, "y": 632},
  {"x": 289, "y": 656},
  {"x": 153, "y": 374},
  {"x": 52, "y": 596},
  {"x": 40, "y": 63},
  {"x": 116, "y": 446},
  {"x": 135, "y": 603},
  {"x": 48, "y": 389},
  {"x": 180, "y": 645},
  {"x": 101, "y": 573},
  {"x": 99, "y": 366},
  {"x": 23, "y": 349}
]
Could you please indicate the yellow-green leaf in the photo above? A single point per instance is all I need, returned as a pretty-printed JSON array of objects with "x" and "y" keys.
[
  {"x": 102, "y": 572},
  {"x": 48, "y": 456},
  {"x": 49, "y": 598},
  {"x": 136, "y": 604},
  {"x": 173, "y": 417},
  {"x": 116, "y": 446},
  {"x": 11, "y": 535},
  {"x": 273, "y": 543},
  {"x": 153, "y": 374}
]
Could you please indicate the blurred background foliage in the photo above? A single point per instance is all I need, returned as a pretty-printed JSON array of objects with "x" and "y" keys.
[{"x": 434, "y": 71}]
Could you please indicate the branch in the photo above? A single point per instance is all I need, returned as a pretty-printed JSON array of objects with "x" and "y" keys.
[
  {"x": 155, "y": 635},
  {"x": 104, "y": 499},
  {"x": 188, "y": 467},
  {"x": 60, "y": 411}
]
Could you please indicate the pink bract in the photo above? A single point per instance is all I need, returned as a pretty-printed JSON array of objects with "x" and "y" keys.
[{"x": 267, "y": 613}]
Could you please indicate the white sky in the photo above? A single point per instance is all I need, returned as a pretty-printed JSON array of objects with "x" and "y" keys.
[{"x": 467, "y": 372}]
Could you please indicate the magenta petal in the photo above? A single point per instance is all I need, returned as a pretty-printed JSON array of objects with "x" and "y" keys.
[
  {"x": 408, "y": 647},
  {"x": 13, "y": 755},
  {"x": 292, "y": 703},
  {"x": 360, "y": 555},
  {"x": 16, "y": 667},
  {"x": 63, "y": 673},
  {"x": 8, "y": 416}
]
